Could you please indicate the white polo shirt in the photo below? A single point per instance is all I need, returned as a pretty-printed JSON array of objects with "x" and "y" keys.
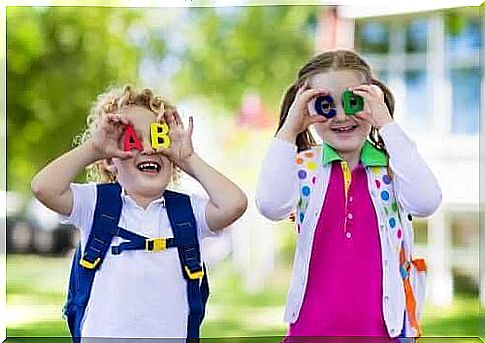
[{"x": 138, "y": 293}]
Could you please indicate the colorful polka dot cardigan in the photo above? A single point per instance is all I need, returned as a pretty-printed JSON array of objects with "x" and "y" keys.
[{"x": 291, "y": 182}]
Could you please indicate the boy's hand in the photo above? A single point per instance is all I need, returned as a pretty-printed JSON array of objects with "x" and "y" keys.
[
  {"x": 181, "y": 147},
  {"x": 108, "y": 135},
  {"x": 375, "y": 111}
]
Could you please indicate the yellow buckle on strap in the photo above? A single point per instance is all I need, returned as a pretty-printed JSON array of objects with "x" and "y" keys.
[
  {"x": 195, "y": 275},
  {"x": 156, "y": 244},
  {"x": 89, "y": 265}
]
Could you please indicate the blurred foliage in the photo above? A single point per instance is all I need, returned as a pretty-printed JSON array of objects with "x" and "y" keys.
[
  {"x": 287, "y": 243},
  {"x": 457, "y": 19},
  {"x": 232, "y": 50},
  {"x": 59, "y": 59}
]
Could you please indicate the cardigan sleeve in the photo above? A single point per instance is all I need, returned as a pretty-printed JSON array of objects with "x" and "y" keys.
[
  {"x": 277, "y": 190},
  {"x": 415, "y": 184}
]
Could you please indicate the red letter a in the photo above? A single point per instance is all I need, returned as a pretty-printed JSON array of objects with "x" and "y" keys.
[{"x": 131, "y": 140}]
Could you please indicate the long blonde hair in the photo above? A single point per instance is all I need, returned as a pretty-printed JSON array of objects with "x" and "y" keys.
[
  {"x": 333, "y": 60},
  {"x": 112, "y": 101}
]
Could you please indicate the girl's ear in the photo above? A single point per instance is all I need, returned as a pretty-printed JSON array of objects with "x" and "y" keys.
[{"x": 109, "y": 166}]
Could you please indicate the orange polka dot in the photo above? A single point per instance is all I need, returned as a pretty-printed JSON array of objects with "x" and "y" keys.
[
  {"x": 299, "y": 160},
  {"x": 309, "y": 154}
]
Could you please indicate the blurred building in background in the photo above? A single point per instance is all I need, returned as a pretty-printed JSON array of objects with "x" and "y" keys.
[{"x": 431, "y": 61}]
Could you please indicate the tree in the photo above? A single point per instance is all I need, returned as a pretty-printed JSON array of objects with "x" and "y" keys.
[
  {"x": 58, "y": 60},
  {"x": 232, "y": 50}
]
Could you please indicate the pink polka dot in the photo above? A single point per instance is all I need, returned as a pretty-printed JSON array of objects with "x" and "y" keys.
[
  {"x": 399, "y": 233},
  {"x": 314, "y": 180},
  {"x": 378, "y": 184}
]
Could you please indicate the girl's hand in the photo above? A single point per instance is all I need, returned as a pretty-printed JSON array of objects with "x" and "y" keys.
[
  {"x": 108, "y": 135},
  {"x": 375, "y": 111},
  {"x": 181, "y": 147},
  {"x": 299, "y": 118}
]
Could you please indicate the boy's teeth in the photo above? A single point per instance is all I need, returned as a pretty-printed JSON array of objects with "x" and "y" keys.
[{"x": 148, "y": 166}]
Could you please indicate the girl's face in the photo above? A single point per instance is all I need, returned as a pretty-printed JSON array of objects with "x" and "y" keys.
[
  {"x": 342, "y": 132},
  {"x": 145, "y": 174}
]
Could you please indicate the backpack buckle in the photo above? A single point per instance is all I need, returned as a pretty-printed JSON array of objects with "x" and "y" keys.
[
  {"x": 194, "y": 275},
  {"x": 89, "y": 265},
  {"x": 404, "y": 269},
  {"x": 155, "y": 244}
]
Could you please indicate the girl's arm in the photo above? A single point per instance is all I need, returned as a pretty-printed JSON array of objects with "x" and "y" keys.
[
  {"x": 415, "y": 185},
  {"x": 227, "y": 202},
  {"x": 277, "y": 191},
  {"x": 51, "y": 185}
]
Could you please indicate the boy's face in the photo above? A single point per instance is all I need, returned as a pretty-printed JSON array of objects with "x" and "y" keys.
[{"x": 145, "y": 174}]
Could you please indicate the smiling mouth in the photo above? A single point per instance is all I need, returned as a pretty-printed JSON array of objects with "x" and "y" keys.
[
  {"x": 149, "y": 167},
  {"x": 344, "y": 129}
]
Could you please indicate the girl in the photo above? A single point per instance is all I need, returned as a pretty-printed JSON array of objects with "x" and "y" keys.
[
  {"x": 354, "y": 195},
  {"x": 137, "y": 292}
]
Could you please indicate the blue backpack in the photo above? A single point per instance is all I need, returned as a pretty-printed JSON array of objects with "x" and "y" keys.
[{"x": 105, "y": 227}]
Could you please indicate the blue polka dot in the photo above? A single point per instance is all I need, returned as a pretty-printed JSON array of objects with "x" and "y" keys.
[
  {"x": 392, "y": 222},
  {"x": 387, "y": 179},
  {"x": 385, "y": 195},
  {"x": 305, "y": 190},
  {"x": 302, "y": 174},
  {"x": 301, "y": 217}
]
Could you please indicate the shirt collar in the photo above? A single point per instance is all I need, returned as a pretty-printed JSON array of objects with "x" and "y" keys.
[
  {"x": 369, "y": 155},
  {"x": 125, "y": 196}
]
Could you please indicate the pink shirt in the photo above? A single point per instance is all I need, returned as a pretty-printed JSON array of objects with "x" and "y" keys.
[{"x": 344, "y": 290}]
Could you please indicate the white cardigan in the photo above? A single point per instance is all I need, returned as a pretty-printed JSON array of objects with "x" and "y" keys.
[{"x": 414, "y": 188}]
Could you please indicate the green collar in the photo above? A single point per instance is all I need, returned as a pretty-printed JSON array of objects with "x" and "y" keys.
[{"x": 369, "y": 155}]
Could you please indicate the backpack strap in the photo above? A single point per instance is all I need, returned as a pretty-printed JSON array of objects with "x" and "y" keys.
[
  {"x": 85, "y": 264},
  {"x": 139, "y": 242},
  {"x": 408, "y": 292},
  {"x": 182, "y": 221},
  {"x": 105, "y": 225}
]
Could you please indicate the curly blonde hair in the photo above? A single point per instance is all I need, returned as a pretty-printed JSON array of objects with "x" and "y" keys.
[{"x": 112, "y": 101}]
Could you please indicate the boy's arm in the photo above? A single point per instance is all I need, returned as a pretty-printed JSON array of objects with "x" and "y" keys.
[
  {"x": 227, "y": 202},
  {"x": 52, "y": 184}
]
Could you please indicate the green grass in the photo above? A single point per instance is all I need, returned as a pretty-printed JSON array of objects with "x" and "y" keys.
[{"x": 35, "y": 295}]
